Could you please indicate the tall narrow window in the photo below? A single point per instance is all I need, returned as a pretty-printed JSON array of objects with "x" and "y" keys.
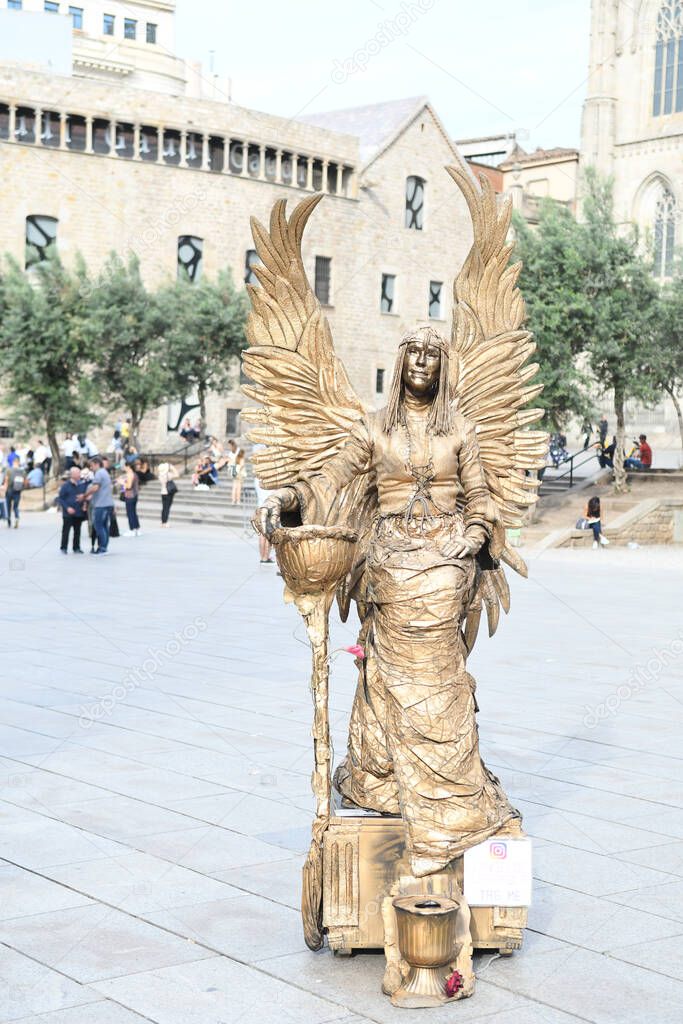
[
  {"x": 151, "y": 33},
  {"x": 76, "y": 14},
  {"x": 41, "y": 237},
  {"x": 388, "y": 294},
  {"x": 108, "y": 24},
  {"x": 130, "y": 28},
  {"x": 322, "y": 279},
  {"x": 435, "y": 288},
  {"x": 667, "y": 93},
  {"x": 190, "y": 255},
  {"x": 415, "y": 202},
  {"x": 251, "y": 260},
  {"x": 664, "y": 234},
  {"x": 380, "y": 374}
]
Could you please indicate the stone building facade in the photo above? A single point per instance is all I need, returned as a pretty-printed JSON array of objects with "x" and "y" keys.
[
  {"x": 632, "y": 131},
  {"x": 175, "y": 179}
]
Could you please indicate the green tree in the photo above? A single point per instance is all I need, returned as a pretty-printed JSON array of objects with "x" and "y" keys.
[
  {"x": 44, "y": 350},
  {"x": 553, "y": 282},
  {"x": 667, "y": 361},
  {"x": 125, "y": 326},
  {"x": 624, "y": 301},
  {"x": 205, "y": 334}
]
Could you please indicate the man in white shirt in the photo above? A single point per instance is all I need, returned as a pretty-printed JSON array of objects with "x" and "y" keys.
[
  {"x": 67, "y": 446},
  {"x": 42, "y": 458}
]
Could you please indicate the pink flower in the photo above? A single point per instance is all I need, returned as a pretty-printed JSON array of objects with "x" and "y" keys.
[
  {"x": 453, "y": 984},
  {"x": 356, "y": 650}
]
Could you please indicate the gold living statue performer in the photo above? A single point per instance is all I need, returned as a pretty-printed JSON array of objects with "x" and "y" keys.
[{"x": 428, "y": 485}]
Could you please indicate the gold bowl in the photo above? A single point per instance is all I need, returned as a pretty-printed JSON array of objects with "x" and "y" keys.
[
  {"x": 426, "y": 932},
  {"x": 314, "y": 559}
]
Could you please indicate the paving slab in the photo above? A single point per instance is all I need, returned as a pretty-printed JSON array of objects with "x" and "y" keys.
[{"x": 141, "y": 823}]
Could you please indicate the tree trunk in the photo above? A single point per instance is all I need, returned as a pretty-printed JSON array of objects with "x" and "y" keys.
[
  {"x": 54, "y": 449},
  {"x": 620, "y": 484},
  {"x": 677, "y": 406},
  {"x": 201, "y": 394}
]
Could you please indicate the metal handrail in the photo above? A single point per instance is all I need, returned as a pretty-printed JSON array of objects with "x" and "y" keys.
[{"x": 572, "y": 466}]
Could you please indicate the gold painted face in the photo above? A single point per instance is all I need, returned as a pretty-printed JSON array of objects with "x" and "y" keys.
[{"x": 421, "y": 367}]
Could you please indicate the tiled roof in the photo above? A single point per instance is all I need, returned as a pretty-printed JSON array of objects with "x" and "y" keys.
[
  {"x": 374, "y": 125},
  {"x": 520, "y": 156}
]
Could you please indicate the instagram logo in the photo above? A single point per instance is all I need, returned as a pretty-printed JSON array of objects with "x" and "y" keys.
[{"x": 498, "y": 851}]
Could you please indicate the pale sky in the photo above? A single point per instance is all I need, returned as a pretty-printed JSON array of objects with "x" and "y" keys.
[{"x": 486, "y": 65}]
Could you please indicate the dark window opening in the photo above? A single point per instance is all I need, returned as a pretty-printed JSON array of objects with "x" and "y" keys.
[
  {"x": 415, "y": 197},
  {"x": 41, "y": 237},
  {"x": 317, "y": 175},
  {"x": 332, "y": 178},
  {"x": 49, "y": 128},
  {"x": 254, "y": 161},
  {"x": 435, "y": 299},
  {"x": 302, "y": 171},
  {"x": 151, "y": 32},
  {"x": 4, "y": 121},
  {"x": 216, "y": 153},
  {"x": 125, "y": 141},
  {"x": 149, "y": 143},
  {"x": 130, "y": 28},
  {"x": 101, "y": 136},
  {"x": 271, "y": 164},
  {"x": 379, "y": 381},
  {"x": 24, "y": 129},
  {"x": 193, "y": 156},
  {"x": 171, "y": 152},
  {"x": 388, "y": 293},
  {"x": 286, "y": 168},
  {"x": 251, "y": 260},
  {"x": 323, "y": 266},
  {"x": 190, "y": 256},
  {"x": 232, "y": 421},
  {"x": 108, "y": 21},
  {"x": 74, "y": 135}
]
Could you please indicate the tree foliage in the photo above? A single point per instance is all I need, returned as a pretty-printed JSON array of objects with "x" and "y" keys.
[
  {"x": 558, "y": 308},
  {"x": 204, "y": 335},
  {"x": 45, "y": 350}
]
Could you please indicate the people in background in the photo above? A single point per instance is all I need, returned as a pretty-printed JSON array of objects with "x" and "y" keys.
[
  {"x": 205, "y": 473},
  {"x": 73, "y": 512},
  {"x": 131, "y": 490},
  {"x": 42, "y": 458},
  {"x": 35, "y": 477},
  {"x": 12, "y": 456},
  {"x": 603, "y": 429},
  {"x": 67, "y": 447},
  {"x": 188, "y": 432},
  {"x": 167, "y": 474},
  {"x": 13, "y": 482},
  {"x": 592, "y": 521},
  {"x": 586, "y": 430},
  {"x": 239, "y": 472},
  {"x": 605, "y": 453},
  {"x": 85, "y": 446},
  {"x": 101, "y": 497},
  {"x": 640, "y": 456}
]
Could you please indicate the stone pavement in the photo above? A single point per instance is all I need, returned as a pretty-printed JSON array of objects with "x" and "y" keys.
[{"x": 155, "y": 799}]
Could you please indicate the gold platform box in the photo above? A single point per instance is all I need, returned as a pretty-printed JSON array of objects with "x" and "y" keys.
[{"x": 362, "y": 852}]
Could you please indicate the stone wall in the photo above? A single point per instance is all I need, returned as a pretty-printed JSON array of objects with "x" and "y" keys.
[{"x": 655, "y": 521}]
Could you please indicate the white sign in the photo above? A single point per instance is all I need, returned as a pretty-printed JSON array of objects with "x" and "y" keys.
[{"x": 498, "y": 873}]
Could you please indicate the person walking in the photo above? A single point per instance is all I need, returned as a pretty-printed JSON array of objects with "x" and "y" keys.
[
  {"x": 131, "y": 490},
  {"x": 603, "y": 428},
  {"x": 15, "y": 478},
  {"x": 168, "y": 475},
  {"x": 70, "y": 499},
  {"x": 101, "y": 497}
]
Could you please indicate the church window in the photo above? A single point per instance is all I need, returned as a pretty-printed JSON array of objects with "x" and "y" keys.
[
  {"x": 668, "y": 80},
  {"x": 435, "y": 299},
  {"x": 388, "y": 293},
  {"x": 151, "y": 35},
  {"x": 130, "y": 28},
  {"x": 108, "y": 24},
  {"x": 379, "y": 380},
  {"x": 251, "y": 260},
  {"x": 664, "y": 234},
  {"x": 323, "y": 266}
]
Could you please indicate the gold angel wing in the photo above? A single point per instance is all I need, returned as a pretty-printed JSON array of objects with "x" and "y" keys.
[
  {"x": 492, "y": 380},
  {"x": 307, "y": 405}
]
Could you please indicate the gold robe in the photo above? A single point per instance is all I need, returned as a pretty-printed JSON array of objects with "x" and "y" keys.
[{"x": 413, "y": 742}]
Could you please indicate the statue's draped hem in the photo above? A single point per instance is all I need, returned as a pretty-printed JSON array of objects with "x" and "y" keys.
[{"x": 413, "y": 742}]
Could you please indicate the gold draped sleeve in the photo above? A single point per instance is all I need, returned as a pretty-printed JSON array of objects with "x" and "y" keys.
[{"x": 319, "y": 491}]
